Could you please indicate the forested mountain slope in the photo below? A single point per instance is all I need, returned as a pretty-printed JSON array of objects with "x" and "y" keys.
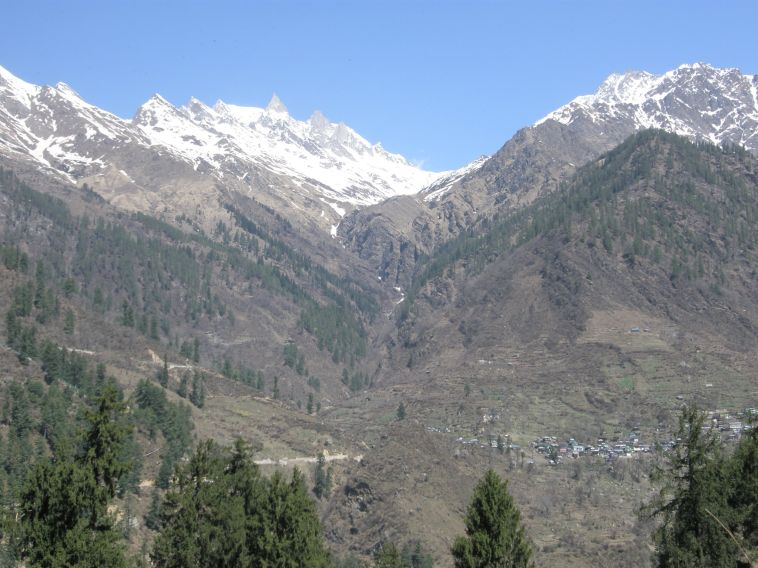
[
  {"x": 700, "y": 102},
  {"x": 658, "y": 230}
]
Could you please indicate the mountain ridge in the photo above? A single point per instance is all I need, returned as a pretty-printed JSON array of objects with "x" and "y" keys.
[
  {"x": 319, "y": 167},
  {"x": 537, "y": 157}
]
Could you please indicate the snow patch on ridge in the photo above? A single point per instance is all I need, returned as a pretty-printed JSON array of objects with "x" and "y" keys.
[{"x": 445, "y": 183}]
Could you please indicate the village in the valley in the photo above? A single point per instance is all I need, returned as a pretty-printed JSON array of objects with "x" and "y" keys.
[{"x": 729, "y": 426}]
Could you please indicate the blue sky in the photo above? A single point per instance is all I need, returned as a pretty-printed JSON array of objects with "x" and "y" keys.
[{"x": 439, "y": 81}]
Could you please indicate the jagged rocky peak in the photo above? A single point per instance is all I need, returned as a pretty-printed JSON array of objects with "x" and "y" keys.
[
  {"x": 317, "y": 158},
  {"x": 157, "y": 100},
  {"x": 152, "y": 110},
  {"x": 198, "y": 109},
  {"x": 66, "y": 90},
  {"x": 625, "y": 88},
  {"x": 276, "y": 106},
  {"x": 694, "y": 100},
  {"x": 445, "y": 183},
  {"x": 318, "y": 121}
]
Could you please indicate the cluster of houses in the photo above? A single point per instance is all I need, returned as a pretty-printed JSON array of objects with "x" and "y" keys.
[
  {"x": 731, "y": 426},
  {"x": 555, "y": 452}
]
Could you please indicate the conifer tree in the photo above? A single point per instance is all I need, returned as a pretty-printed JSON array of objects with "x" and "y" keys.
[
  {"x": 323, "y": 478},
  {"x": 743, "y": 470},
  {"x": 69, "y": 321},
  {"x": 414, "y": 556},
  {"x": 401, "y": 411},
  {"x": 104, "y": 439},
  {"x": 63, "y": 511},
  {"x": 183, "y": 390},
  {"x": 197, "y": 395},
  {"x": 692, "y": 500},
  {"x": 495, "y": 536},
  {"x": 196, "y": 350},
  {"x": 388, "y": 556},
  {"x": 163, "y": 372},
  {"x": 219, "y": 511}
]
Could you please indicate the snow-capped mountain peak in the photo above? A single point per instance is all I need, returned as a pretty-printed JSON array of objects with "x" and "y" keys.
[
  {"x": 319, "y": 159},
  {"x": 13, "y": 87},
  {"x": 153, "y": 109},
  {"x": 318, "y": 121},
  {"x": 276, "y": 106},
  {"x": 317, "y": 154},
  {"x": 695, "y": 100},
  {"x": 626, "y": 88}
]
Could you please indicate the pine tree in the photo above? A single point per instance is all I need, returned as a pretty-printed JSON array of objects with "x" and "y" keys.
[
  {"x": 63, "y": 509},
  {"x": 692, "y": 497},
  {"x": 401, "y": 411},
  {"x": 12, "y": 328},
  {"x": 323, "y": 478},
  {"x": 154, "y": 328},
  {"x": 103, "y": 442},
  {"x": 197, "y": 395},
  {"x": 495, "y": 536},
  {"x": 388, "y": 556},
  {"x": 163, "y": 372},
  {"x": 68, "y": 321},
  {"x": 220, "y": 511},
  {"x": 152, "y": 518},
  {"x": 196, "y": 350},
  {"x": 414, "y": 556},
  {"x": 127, "y": 314},
  {"x": 743, "y": 470},
  {"x": 183, "y": 389}
]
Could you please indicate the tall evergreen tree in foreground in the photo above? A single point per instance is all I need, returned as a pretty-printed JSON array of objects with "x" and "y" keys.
[
  {"x": 706, "y": 500},
  {"x": 63, "y": 517},
  {"x": 495, "y": 536},
  {"x": 220, "y": 511},
  {"x": 743, "y": 469}
]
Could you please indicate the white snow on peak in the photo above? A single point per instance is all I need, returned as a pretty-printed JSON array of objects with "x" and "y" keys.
[
  {"x": 330, "y": 158},
  {"x": 243, "y": 115},
  {"x": 276, "y": 106},
  {"x": 17, "y": 88},
  {"x": 695, "y": 100},
  {"x": 58, "y": 129},
  {"x": 627, "y": 88},
  {"x": 55, "y": 127},
  {"x": 67, "y": 91}
]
